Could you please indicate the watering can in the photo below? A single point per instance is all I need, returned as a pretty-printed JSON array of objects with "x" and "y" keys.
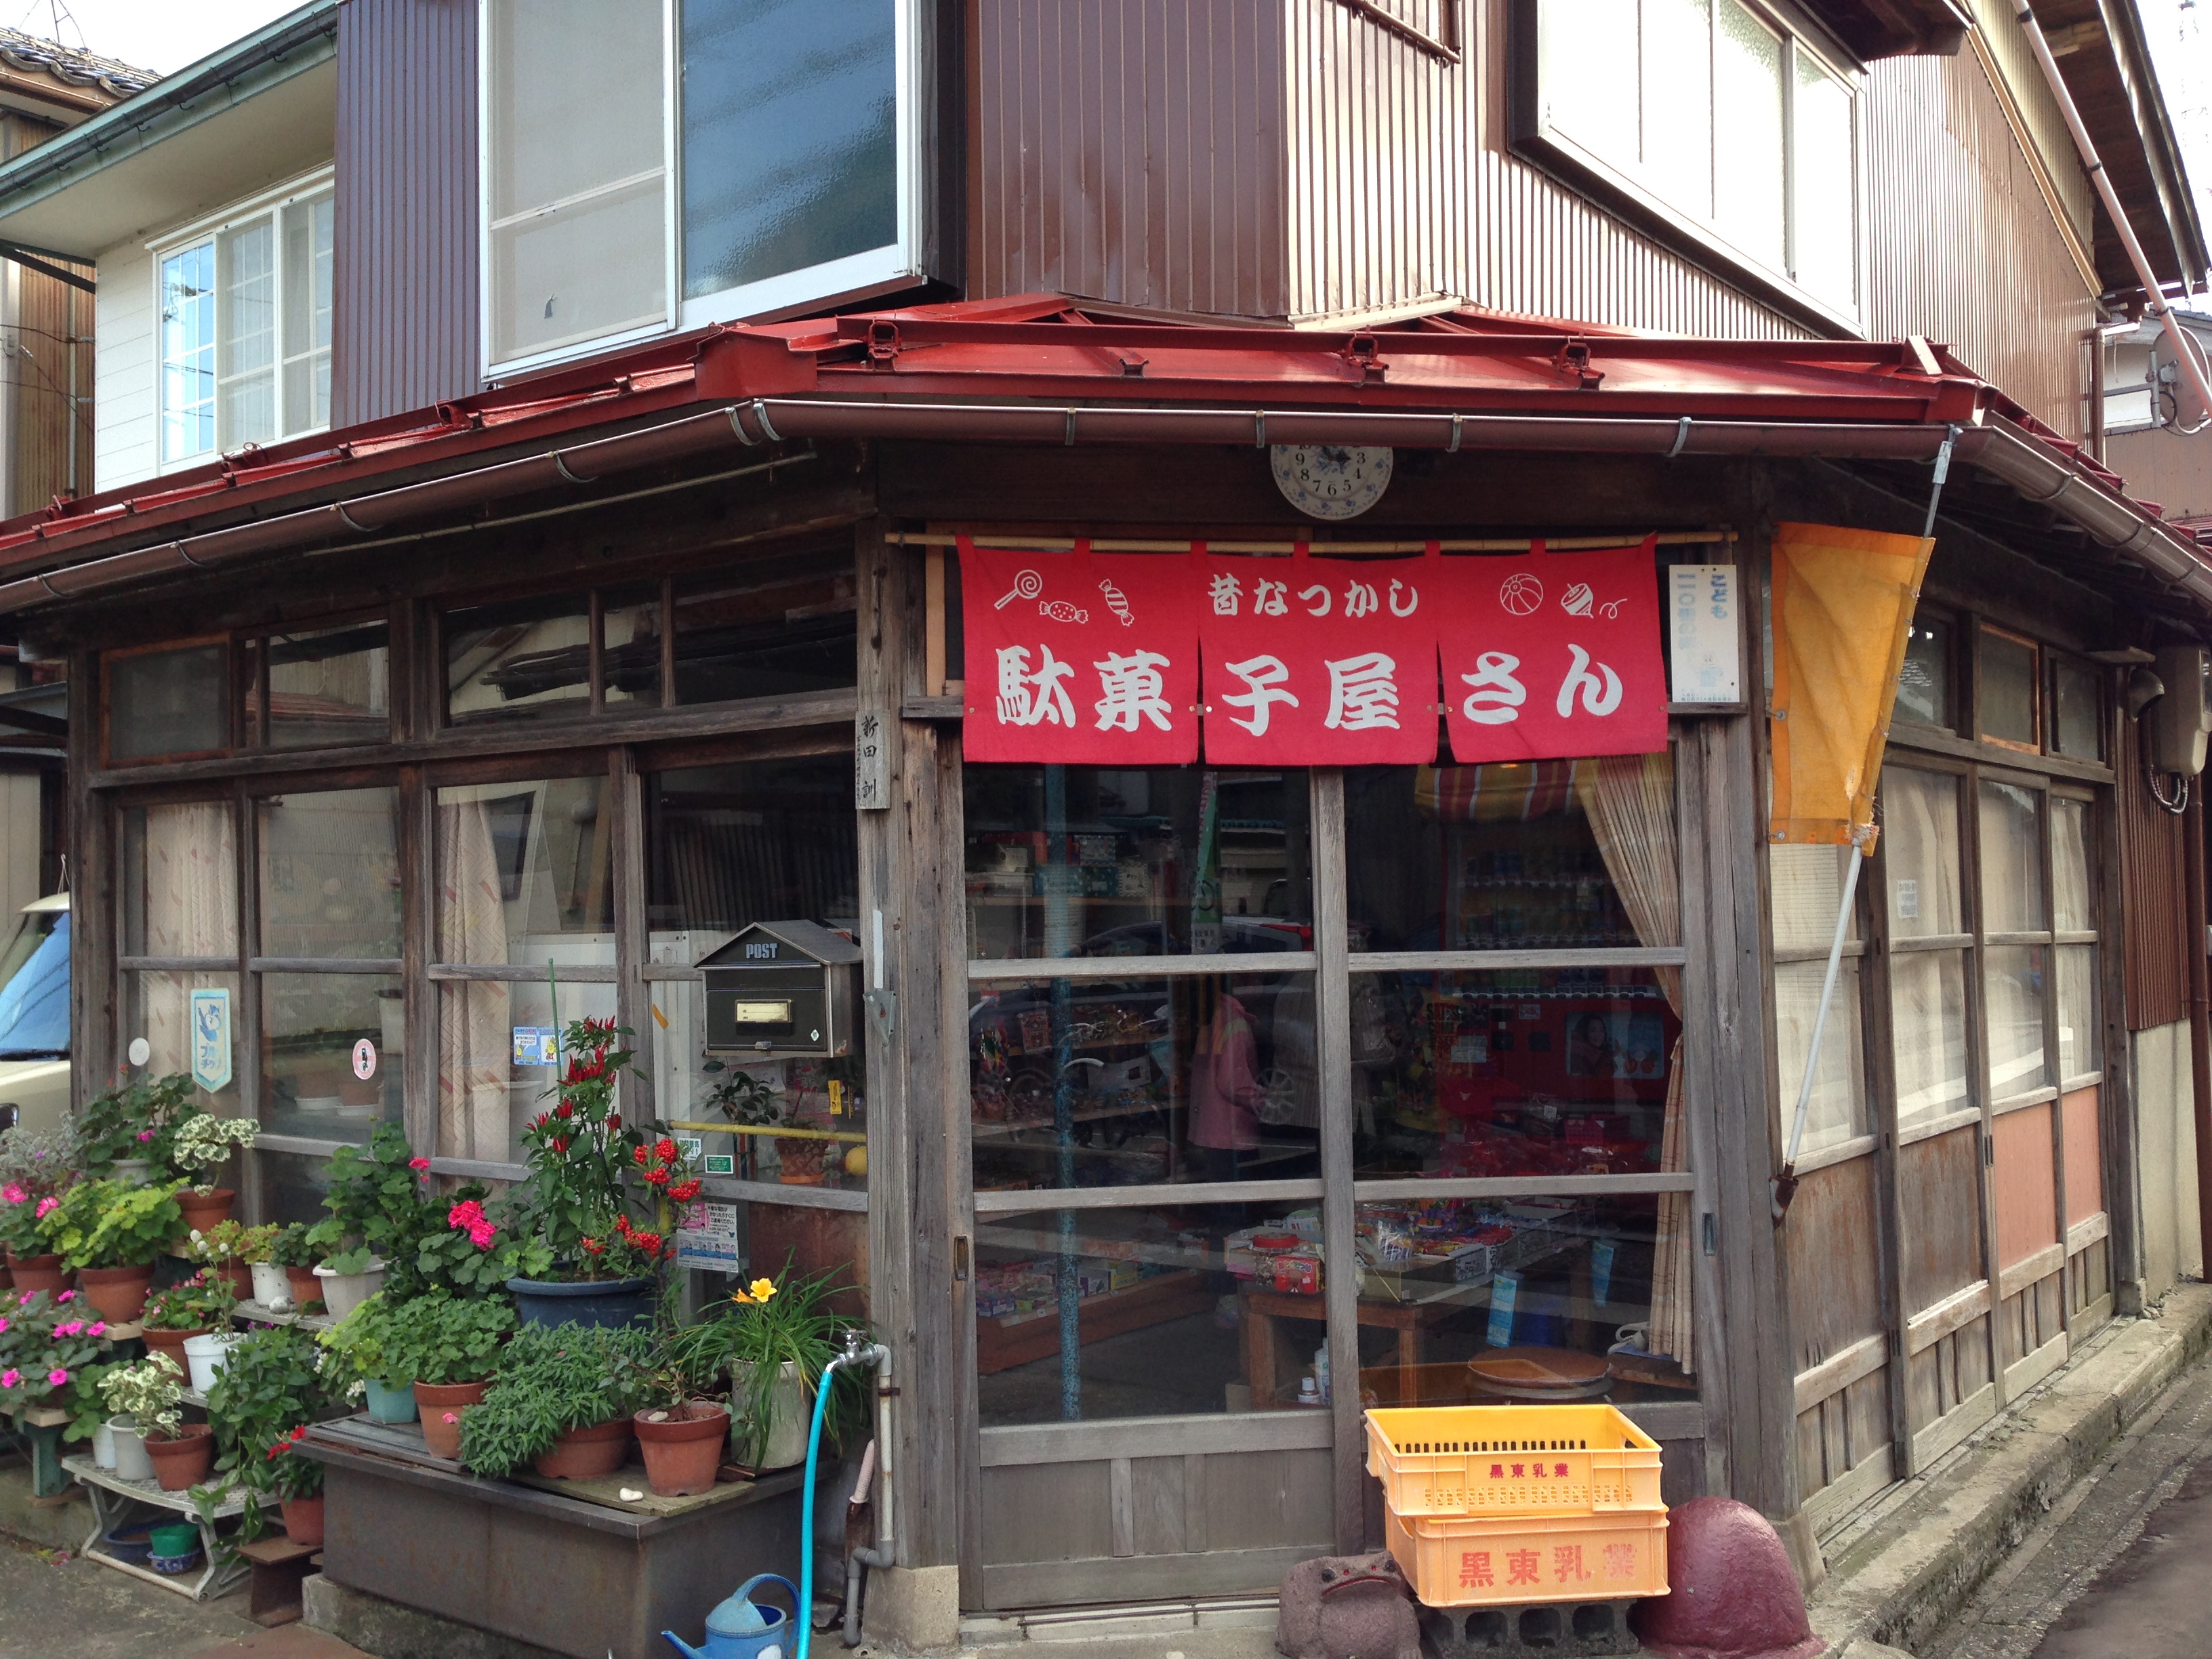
[{"x": 740, "y": 1628}]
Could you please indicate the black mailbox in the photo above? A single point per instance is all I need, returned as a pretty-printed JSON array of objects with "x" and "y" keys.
[{"x": 782, "y": 988}]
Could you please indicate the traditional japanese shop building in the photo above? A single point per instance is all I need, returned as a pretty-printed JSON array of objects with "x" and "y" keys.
[{"x": 1299, "y": 795}]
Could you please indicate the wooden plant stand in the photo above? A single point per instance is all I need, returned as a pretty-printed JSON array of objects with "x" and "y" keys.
[{"x": 111, "y": 1498}]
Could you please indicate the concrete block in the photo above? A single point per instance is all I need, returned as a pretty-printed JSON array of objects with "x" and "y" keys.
[
  {"x": 390, "y": 1632},
  {"x": 52, "y": 1524},
  {"x": 913, "y": 1609}
]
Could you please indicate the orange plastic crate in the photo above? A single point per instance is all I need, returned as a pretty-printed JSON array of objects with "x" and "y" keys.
[
  {"x": 1514, "y": 1559},
  {"x": 1437, "y": 1461}
]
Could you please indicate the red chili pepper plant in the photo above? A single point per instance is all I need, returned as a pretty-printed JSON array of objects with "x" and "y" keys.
[{"x": 575, "y": 1203}]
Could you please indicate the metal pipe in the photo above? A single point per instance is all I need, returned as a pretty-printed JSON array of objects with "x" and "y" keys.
[
  {"x": 883, "y": 1552},
  {"x": 2183, "y": 348}
]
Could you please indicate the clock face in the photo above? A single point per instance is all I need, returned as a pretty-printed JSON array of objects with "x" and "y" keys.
[{"x": 1330, "y": 480}]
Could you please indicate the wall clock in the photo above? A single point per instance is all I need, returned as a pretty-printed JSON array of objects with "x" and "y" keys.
[{"x": 1330, "y": 480}]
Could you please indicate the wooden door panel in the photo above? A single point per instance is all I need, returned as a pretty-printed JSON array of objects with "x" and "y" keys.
[
  {"x": 1939, "y": 1216},
  {"x": 2026, "y": 1184},
  {"x": 2085, "y": 1169}
]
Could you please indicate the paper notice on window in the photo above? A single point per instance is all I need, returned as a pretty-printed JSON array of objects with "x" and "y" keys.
[
  {"x": 706, "y": 1239},
  {"x": 1701, "y": 629}
]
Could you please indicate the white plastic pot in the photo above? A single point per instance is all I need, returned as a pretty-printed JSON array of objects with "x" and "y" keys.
[
  {"x": 270, "y": 1288},
  {"x": 103, "y": 1446},
  {"x": 344, "y": 1292},
  {"x": 790, "y": 1409},
  {"x": 205, "y": 1356},
  {"x": 132, "y": 1171},
  {"x": 131, "y": 1462}
]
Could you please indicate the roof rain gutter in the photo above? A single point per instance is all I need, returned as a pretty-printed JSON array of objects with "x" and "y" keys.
[
  {"x": 2185, "y": 348},
  {"x": 1997, "y": 447}
]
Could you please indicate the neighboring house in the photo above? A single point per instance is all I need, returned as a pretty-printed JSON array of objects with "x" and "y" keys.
[{"x": 528, "y": 460}]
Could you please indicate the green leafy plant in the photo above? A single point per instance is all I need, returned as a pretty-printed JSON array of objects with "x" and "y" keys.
[
  {"x": 553, "y": 1378},
  {"x": 753, "y": 1336},
  {"x": 744, "y": 1098},
  {"x": 447, "y": 1340},
  {"x": 232, "y": 1241},
  {"x": 202, "y": 1303},
  {"x": 293, "y": 1246},
  {"x": 273, "y": 1380},
  {"x": 201, "y": 1143},
  {"x": 46, "y": 1343},
  {"x": 580, "y": 1155},
  {"x": 375, "y": 1200},
  {"x": 107, "y": 1224},
  {"x": 287, "y": 1472},
  {"x": 139, "y": 1121},
  {"x": 152, "y": 1392},
  {"x": 471, "y": 1256},
  {"x": 35, "y": 1165},
  {"x": 363, "y": 1343}
]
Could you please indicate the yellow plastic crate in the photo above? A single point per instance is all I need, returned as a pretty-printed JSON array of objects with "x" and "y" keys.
[
  {"x": 1511, "y": 1460},
  {"x": 1512, "y": 1559}
]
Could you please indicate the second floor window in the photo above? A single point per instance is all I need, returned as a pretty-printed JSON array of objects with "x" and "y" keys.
[{"x": 245, "y": 330}]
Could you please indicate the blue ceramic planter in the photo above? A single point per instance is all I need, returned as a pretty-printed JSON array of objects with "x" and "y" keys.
[
  {"x": 610, "y": 1303},
  {"x": 388, "y": 1404}
]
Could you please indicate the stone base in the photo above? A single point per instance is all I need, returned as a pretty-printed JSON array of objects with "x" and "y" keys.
[
  {"x": 1565, "y": 1629},
  {"x": 912, "y": 1610},
  {"x": 391, "y": 1632},
  {"x": 52, "y": 1524}
]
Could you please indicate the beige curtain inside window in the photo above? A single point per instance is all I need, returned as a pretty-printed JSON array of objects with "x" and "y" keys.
[
  {"x": 475, "y": 1049},
  {"x": 190, "y": 910},
  {"x": 1629, "y": 800}
]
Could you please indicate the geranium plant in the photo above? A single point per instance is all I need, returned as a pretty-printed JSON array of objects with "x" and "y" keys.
[
  {"x": 151, "y": 1392},
  {"x": 288, "y": 1472},
  {"x": 293, "y": 1246},
  {"x": 233, "y": 1241},
  {"x": 202, "y": 1303},
  {"x": 376, "y": 1203},
  {"x": 47, "y": 1343},
  {"x": 201, "y": 1143},
  {"x": 365, "y": 1344},
  {"x": 579, "y": 1153},
  {"x": 274, "y": 1379},
  {"x": 139, "y": 1121},
  {"x": 109, "y": 1224}
]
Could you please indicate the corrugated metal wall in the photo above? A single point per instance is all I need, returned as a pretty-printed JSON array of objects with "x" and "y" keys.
[
  {"x": 2154, "y": 918},
  {"x": 1131, "y": 151},
  {"x": 405, "y": 281},
  {"x": 47, "y": 369}
]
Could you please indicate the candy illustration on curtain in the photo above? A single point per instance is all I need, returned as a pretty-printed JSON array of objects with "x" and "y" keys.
[
  {"x": 1082, "y": 659},
  {"x": 1551, "y": 655}
]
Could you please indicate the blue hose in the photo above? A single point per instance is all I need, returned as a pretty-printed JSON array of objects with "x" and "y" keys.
[{"x": 807, "y": 1517}]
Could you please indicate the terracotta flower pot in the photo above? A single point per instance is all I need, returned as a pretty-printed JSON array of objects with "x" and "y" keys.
[
  {"x": 201, "y": 1214},
  {"x": 37, "y": 1272},
  {"x": 682, "y": 1447},
  {"x": 240, "y": 1277},
  {"x": 184, "y": 1459},
  {"x": 118, "y": 1294},
  {"x": 441, "y": 1405},
  {"x": 801, "y": 1162},
  {"x": 303, "y": 1520},
  {"x": 171, "y": 1343},
  {"x": 304, "y": 1285},
  {"x": 582, "y": 1453}
]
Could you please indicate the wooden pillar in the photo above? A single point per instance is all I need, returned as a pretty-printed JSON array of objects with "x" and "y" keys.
[{"x": 93, "y": 911}]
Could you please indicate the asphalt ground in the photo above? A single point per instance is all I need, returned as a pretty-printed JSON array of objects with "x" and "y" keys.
[{"x": 2121, "y": 1567}]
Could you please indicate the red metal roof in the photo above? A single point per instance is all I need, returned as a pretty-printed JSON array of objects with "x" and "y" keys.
[{"x": 1046, "y": 352}]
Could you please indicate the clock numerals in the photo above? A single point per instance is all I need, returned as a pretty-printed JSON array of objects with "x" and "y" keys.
[{"x": 1331, "y": 480}]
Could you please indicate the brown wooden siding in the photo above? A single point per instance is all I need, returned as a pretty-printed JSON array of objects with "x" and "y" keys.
[
  {"x": 1965, "y": 248},
  {"x": 1129, "y": 151},
  {"x": 405, "y": 287},
  {"x": 49, "y": 315},
  {"x": 2153, "y": 914}
]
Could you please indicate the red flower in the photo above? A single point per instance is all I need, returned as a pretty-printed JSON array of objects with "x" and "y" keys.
[
  {"x": 656, "y": 1176},
  {"x": 664, "y": 1149},
  {"x": 684, "y": 1191},
  {"x": 637, "y": 1157},
  {"x": 595, "y": 1246},
  {"x": 560, "y": 1143},
  {"x": 614, "y": 1120},
  {"x": 565, "y": 1110}
]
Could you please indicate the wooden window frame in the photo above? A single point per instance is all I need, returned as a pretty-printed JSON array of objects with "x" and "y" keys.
[{"x": 192, "y": 642}]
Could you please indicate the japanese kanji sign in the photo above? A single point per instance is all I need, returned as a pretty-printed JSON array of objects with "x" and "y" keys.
[
  {"x": 1080, "y": 659},
  {"x": 1554, "y": 655},
  {"x": 1320, "y": 662}
]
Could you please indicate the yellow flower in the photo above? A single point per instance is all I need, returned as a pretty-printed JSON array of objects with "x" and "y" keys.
[{"x": 763, "y": 1290}]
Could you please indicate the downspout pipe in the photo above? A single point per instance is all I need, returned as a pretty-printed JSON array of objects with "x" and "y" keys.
[
  {"x": 2185, "y": 350},
  {"x": 2197, "y": 935}
]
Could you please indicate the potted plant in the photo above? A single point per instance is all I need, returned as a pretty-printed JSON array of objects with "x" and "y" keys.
[
  {"x": 680, "y": 1437},
  {"x": 297, "y": 1481},
  {"x": 562, "y": 1403},
  {"x": 110, "y": 1233},
  {"x": 123, "y": 1133},
  {"x": 276, "y": 1379},
  {"x": 230, "y": 1249},
  {"x": 34, "y": 1168},
  {"x": 379, "y": 1215},
  {"x": 295, "y": 1253},
  {"x": 202, "y": 1304},
  {"x": 199, "y": 1144},
  {"x": 450, "y": 1347},
  {"x": 777, "y": 1341},
  {"x": 592, "y": 1264},
  {"x": 144, "y": 1398},
  {"x": 364, "y": 1342},
  {"x": 52, "y": 1349}
]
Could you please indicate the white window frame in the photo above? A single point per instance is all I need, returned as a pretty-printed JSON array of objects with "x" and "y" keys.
[
  {"x": 1535, "y": 134},
  {"x": 875, "y": 270},
  {"x": 269, "y": 205}
]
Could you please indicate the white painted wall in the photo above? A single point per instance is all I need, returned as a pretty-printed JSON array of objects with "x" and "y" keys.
[
  {"x": 2166, "y": 1133},
  {"x": 123, "y": 447}
]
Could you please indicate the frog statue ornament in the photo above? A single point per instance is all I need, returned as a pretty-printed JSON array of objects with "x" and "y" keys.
[{"x": 1347, "y": 1607}]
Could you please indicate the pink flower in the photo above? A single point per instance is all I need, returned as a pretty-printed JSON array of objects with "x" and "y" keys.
[
  {"x": 10, "y": 1378},
  {"x": 418, "y": 1165},
  {"x": 66, "y": 1296},
  {"x": 145, "y": 1135},
  {"x": 12, "y": 1193},
  {"x": 482, "y": 1233},
  {"x": 47, "y": 1205},
  {"x": 57, "y": 1376},
  {"x": 450, "y": 1417},
  {"x": 3, "y": 1324},
  {"x": 72, "y": 1328},
  {"x": 98, "y": 1327},
  {"x": 24, "y": 1300}
]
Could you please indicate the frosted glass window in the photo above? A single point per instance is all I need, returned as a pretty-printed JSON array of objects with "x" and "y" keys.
[
  {"x": 576, "y": 203},
  {"x": 1920, "y": 841},
  {"x": 308, "y": 249},
  {"x": 1836, "y": 1110},
  {"x": 246, "y": 335},
  {"x": 1747, "y": 133},
  {"x": 2080, "y": 1044},
  {"x": 188, "y": 353},
  {"x": 1599, "y": 37},
  {"x": 1807, "y": 884},
  {"x": 1678, "y": 112},
  {"x": 2070, "y": 866},
  {"x": 2012, "y": 860},
  {"x": 2012, "y": 991},
  {"x": 1928, "y": 1027},
  {"x": 1825, "y": 257}
]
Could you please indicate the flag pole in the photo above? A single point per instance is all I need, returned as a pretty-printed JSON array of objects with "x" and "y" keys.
[{"x": 1785, "y": 1184}]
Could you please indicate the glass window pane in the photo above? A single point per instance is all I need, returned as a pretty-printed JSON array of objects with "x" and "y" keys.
[
  {"x": 1837, "y": 1111},
  {"x": 1924, "y": 684},
  {"x": 2012, "y": 860},
  {"x": 188, "y": 353},
  {"x": 790, "y": 140},
  {"x": 485, "y": 1099},
  {"x": 1555, "y": 853},
  {"x": 1086, "y": 861},
  {"x": 158, "y": 1007},
  {"x": 1807, "y": 884},
  {"x": 181, "y": 881},
  {"x": 169, "y": 702},
  {"x": 308, "y": 247},
  {"x": 35, "y": 989},
  {"x": 767, "y": 629},
  {"x": 1927, "y": 1025},
  {"x": 1102, "y": 1083},
  {"x": 826, "y": 1100},
  {"x": 578, "y": 244},
  {"x": 329, "y": 687},
  {"x": 1678, "y": 109},
  {"x": 1500, "y": 1283},
  {"x": 2012, "y": 989},
  {"x": 630, "y": 647},
  {"x": 757, "y": 841},
  {"x": 2079, "y": 728},
  {"x": 292, "y": 1187},
  {"x": 1920, "y": 844},
  {"x": 525, "y": 873},
  {"x": 1747, "y": 139},
  {"x": 2008, "y": 686},
  {"x": 1552, "y": 1071},
  {"x": 519, "y": 658},
  {"x": 2080, "y": 1028},
  {"x": 246, "y": 335},
  {"x": 1592, "y": 46},
  {"x": 2070, "y": 866},
  {"x": 330, "y": 874},
  {"x": 1826, "y": 182},
  {"x": 309, "y": 1026}
]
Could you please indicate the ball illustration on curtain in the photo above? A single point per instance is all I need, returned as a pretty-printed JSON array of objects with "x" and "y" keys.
[{"x": 1520, "y": 594}]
